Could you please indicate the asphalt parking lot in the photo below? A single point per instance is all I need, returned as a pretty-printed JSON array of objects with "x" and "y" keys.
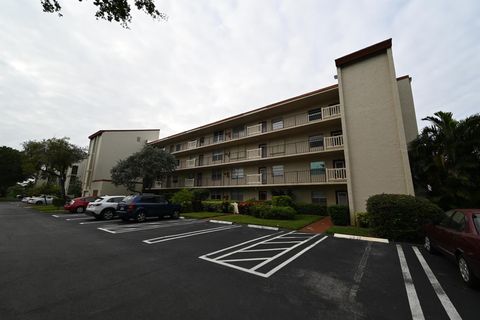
[{"x": 70, "y": 266}]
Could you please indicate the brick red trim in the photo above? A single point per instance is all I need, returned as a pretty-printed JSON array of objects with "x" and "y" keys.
[{"x": 364, "y": 53}]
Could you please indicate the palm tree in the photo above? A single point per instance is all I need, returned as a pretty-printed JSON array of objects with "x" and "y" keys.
[{"x": 445, "y": 160}]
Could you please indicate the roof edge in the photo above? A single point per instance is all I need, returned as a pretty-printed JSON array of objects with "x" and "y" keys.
[
  {"x": 364, "y": 53},
  {"x": 100, "y": 132}
]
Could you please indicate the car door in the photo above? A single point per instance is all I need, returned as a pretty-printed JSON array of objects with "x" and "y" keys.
[
  {"x": 147, "y": 203},
  {"x": 162, "y": 207},
  {"x": 454, "y": 233},
  {"x": 438, "y": 233}
]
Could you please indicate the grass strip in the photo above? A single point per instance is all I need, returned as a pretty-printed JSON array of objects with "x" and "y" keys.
[
  {"x": 201, "y": 215},
  {"x": 354, "y": 231},
  {"x": 300, "y": 220}
]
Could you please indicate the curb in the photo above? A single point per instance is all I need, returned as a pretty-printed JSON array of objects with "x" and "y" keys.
[
  {"x": 261, "y": 227},
  {"x": 347, "y": 236},
  {"x": 220, "y": 221}
]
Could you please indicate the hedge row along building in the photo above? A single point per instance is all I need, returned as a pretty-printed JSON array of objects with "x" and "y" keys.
[{"x": 335, "y": 145}]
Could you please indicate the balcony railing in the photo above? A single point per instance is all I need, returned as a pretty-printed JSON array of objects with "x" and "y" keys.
[
  {"x": 280, "y": 150},
  {"x": 335, "y": 142},
  {"x": 327, "y": 113},
  {"x": 317, "y": 176}
]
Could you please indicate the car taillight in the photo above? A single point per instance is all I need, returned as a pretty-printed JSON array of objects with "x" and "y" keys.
[{"x": 131, "y": 207}]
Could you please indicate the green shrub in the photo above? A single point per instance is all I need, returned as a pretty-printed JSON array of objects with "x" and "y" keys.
[
  {"x": 401, "y": 217},
  {"x": 184, "y": 198},
  {"x": 339, "y": 214},
  {"x": 363, "y": 219},
  {"x": 260, "y": 210},
  {"x": 282, "y": 201},
  {"x": 200, "y": 194},
  {"x": 244, "y": 207},
  {"x": 217, "y": 206},
  {"x": 311, "y": 208},
  {"x": 284, "y": 213}
]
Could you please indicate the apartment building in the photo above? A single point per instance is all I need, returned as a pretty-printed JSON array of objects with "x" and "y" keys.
[
  {"x": 75, "y": 173},
  {"x": 335, "y": 145},
  {"x": 106, "y": 148}
]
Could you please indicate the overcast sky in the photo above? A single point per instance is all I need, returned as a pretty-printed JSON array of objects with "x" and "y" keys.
[{"x": 74, "y": 75}]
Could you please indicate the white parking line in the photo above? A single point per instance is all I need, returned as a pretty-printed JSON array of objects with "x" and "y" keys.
[
  {"x": 415, "y": 307},
  {"x": 188, "y": 234},
  {"x": 446, "y": 303},
  {"x": 67, "y": 215},
  {"x": 264, "y": 260},
  {"x": 96, "y": 221},
  {"x": 75, "y": 219},
  {"x": 125, "y": 228}
]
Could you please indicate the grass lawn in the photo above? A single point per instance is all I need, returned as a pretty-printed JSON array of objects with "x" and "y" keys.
[
  {"x": 300, "y": 220},
  {"x": 201, "y": 215},
  {"x": 50, "y": 208},
  {"x": 355, "y": 231}
]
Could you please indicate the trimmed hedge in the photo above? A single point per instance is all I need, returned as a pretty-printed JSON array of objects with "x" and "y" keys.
[
  {"x": 339, "y": 214},
  {"x": 217, "y": 206},
  {"x": 282, "y": 201},
  {"x": 401, "y": 217},
  {"x": 311, "y": 208},
  {"x": 272, "y": 212},
  {"x": 363, "y": 219},
  {"x": 58, "y": 202}
]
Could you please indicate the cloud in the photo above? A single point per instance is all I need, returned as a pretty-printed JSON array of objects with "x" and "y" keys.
[{"x": 75, "y": 75}]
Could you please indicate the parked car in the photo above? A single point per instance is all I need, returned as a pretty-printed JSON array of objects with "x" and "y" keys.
[
  {"x": 140, "y": 207},
  {"x": 25, "y": 199},
  {"x": 458, "y": 237},
  {"x": 104, "y": 207},
  {"x": 41, "y": 199},
  {"x": 78, "y": 205}
]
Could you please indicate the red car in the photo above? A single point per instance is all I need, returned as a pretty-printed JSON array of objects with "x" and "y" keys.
[
  {"x": 78, "y": 204},
  {"x": 458, "y": 236}
]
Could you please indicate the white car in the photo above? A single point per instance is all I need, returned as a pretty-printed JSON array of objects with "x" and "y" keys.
[
  {"x": 25, "y": 199},
  {"x": 104, "y": 208},
  {"x": 41, "y": 199}
]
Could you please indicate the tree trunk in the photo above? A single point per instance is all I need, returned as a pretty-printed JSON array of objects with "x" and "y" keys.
[{"x": 62, "y": 179}]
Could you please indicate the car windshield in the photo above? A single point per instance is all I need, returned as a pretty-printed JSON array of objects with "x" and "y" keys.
[
  {"x": 476, "y": 221},
  {"x": 99, "y": 199},
  {"x": 128, "y": 199}
]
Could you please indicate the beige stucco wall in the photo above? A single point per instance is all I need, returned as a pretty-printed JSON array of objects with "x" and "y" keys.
[
  {"x": 376, "y": 152},
  {"x": 408, "y": 109}
]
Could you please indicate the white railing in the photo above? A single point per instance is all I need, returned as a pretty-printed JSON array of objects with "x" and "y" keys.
[
  {"x": 192, "y": 144},
  {"x": 254, "y": 178},
  {"x": 189, "y": 183},
  {"x": 255, "y": 129},
  {"x": 335, "y": 142},
  {"x": 254, "y": 153},
  {"x": 338, "y": 174},
  {"x": 191, "y": 163},
  {"x": 331, "y": 112}
]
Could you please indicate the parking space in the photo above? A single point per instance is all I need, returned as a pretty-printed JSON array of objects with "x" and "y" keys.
[{"x": 72, "y": 266}]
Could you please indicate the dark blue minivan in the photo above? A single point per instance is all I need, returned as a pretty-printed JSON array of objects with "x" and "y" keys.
[{"x": 140, "y": 207}]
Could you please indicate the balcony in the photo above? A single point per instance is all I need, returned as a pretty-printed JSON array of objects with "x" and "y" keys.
[
  {"x": 306, "y": 177},
  {"x": 268, "y": 152},
  {"x": 327, "y": 113}
]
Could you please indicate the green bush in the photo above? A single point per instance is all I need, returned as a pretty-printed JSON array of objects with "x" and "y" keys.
[
  {"x": 339, "y": 214},
  {"x": 311, "y": 208},
  {"x": 363, "y": 219},
  {"x": 217, "y": 206},
  {"x": 184, "y": 198},
  {"x": 284, "y": 213},
  {"x": 282, "y": 201},
  {"x": 401, "y": 217},
  {"x": 260, "y": 210}
]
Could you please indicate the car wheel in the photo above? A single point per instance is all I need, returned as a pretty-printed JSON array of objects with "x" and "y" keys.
[
  {"x": 141, "y": 216},
  {"x": 80, "y": 210},
  {"x": 108, "y": 214},
  {"x": 175, "y": 214},
  {"x": 428, "y": 245},
  {"x": 466, "y": 272},
  {"x": 38, "y": 202}
]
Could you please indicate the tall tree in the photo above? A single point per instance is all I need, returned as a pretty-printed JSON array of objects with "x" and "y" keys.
[
  {"x": 144, "y": 167},
  {"x": 11, "y": 170},
  {"x": 112, "y": 10},
  {"x": 52, "y": 158},
  {"x": 445, "y": 160}
]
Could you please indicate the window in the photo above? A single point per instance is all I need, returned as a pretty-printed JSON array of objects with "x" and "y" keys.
[
  {"x": 458, "y": 221},
  {"x": 172, "y": 148},
  {"x": 216, "y": 174},
  {"x": 201, "y": 141},
  {"x": 74, "y": 170},
  {"x": 236, "y": 195},
  {"x": 178, "y": 147},
  {"x": 476, "y": 221},
  {"x": 277, "y": 171},
  {"x": 317, "y": 168},
  {"x": 237, "y": 173},
  {"x": 318, "y": 197},
  {"x": 218, "y": 136},
  {"x": 315, "y": 114},
  {"x": 215, "y": 195},
  {"x": 315, "y": 141},
  {"x": 177, "y": 162},
  {"x": 175, "y": 179},
  {"x": 277, "y": 124},
  {"x": 238, "y": 132},
  {"x": 217, "y": 155},
  {"x": 262, "y": 195},
  {"x": 138, "y": 139}
]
